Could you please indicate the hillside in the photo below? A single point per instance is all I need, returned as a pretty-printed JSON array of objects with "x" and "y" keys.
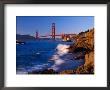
[{"x": 24, "y": 37}]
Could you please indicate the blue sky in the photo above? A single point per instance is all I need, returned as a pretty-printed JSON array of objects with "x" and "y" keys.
[{"x": 42, "y": 24}]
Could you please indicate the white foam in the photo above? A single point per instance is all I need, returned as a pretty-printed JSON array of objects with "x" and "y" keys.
[
  {"x": 55, "y": 57},
  {"x": 62, "y": 49},
  {"x": 59, "y": 62},
  {"x": 64, "y": 60}
]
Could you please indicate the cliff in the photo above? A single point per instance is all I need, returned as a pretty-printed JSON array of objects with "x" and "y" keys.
[{"x": 83, "y": 49}]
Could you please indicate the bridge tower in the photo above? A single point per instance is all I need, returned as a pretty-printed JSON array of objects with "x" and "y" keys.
[
  {"x": 53, "y": 31},
  {"x": 37, "y": 35}
]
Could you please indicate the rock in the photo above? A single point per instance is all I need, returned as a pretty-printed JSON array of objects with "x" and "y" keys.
[
  {"x": 46, "y": 71},
  {"x": 83, "y": 49},
  {"x": 89, "y": 59},
  {"x": 84, "y": 43}
]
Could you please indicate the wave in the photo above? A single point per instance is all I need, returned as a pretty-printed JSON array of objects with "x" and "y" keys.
[
  {"x": 62, "y": 49},
  {"x": 63, "y": 60}
]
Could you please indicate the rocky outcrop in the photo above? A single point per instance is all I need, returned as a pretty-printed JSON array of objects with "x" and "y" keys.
[
  {"x": 83, "y": 49},
  {"x": 87, "y": 68},
  {"x": 84, "y": 42},
  {"x": 46, "y": 71},
  {"x": 89, "y": 58}
]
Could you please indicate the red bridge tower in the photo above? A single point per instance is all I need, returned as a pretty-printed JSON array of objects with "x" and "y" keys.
[{"x": 53, "y": 31}]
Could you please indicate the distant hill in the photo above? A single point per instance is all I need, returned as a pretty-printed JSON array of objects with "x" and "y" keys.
[{"x": 24, "y": 37}]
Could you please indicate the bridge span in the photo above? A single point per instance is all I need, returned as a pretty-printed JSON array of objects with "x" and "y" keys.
[{"x": 54, "y": 35}]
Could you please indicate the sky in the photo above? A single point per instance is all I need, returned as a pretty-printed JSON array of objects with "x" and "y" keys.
[{"x": 43, "y": 24}]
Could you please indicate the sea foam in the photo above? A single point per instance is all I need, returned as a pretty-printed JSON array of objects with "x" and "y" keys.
[{"x": 63, "y": 60}]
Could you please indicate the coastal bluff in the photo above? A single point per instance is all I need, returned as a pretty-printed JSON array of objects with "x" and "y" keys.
[{"x": 83, "y": 49}]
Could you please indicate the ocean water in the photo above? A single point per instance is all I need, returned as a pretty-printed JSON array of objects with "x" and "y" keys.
[{"x": 44, "y": 54}]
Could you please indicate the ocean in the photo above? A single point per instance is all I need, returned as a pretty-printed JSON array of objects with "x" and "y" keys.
[{"x": 44, "y": 54}]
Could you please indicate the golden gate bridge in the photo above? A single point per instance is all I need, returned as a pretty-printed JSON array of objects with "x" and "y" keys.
[{"x": 54, "y": 35}]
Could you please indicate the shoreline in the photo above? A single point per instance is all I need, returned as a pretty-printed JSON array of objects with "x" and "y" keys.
[{"x": 82, "y": 49}]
